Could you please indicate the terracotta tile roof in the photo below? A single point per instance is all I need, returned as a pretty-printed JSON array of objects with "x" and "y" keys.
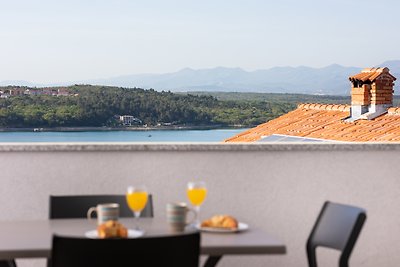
[
  {"x": 322, "y": 121},
  {"x": 370, "y": 74}
]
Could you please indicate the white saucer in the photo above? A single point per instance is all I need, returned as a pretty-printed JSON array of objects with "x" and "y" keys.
[
  {"x": 131, "y": 234},
  {"x": 241, "y": 227}
]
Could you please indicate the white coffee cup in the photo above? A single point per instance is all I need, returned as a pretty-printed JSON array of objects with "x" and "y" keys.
[
  {"x": 176, "y": 216},
  {"x": 105, "y": 212}
]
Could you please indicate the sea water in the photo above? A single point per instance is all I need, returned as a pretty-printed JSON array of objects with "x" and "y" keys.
[{"x": 215, "y": 135}]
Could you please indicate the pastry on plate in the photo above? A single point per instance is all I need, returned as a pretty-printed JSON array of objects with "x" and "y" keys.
[
  {"x": 112, "y": 229},
  {"x": 221, "y": 221}
]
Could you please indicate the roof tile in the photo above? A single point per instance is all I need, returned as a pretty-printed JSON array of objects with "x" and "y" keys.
[
  {"x": 370, "y": 74},
  {"x": 326, "y": 122}
]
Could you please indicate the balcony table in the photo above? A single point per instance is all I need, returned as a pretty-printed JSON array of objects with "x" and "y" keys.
[{"x": 32, "y": 239}]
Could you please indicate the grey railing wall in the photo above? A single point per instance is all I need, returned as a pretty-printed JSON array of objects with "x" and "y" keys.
[{"x": 277, "y": 187}]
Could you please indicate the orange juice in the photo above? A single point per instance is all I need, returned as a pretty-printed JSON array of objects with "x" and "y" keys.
[
  {"x": 136, "y": 200},
  {"x": 196, "y": 195}
]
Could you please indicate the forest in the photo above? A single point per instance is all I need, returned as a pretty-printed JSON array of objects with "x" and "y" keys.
[{"x": 97, "y": 106}]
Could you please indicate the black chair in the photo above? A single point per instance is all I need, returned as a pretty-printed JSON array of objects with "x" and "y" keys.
[
  {"x": 8, "y": 263},
  {"x": 338, "y": 227},
  {"x": 76, "y": 206},
  {"x": 178, "y": 251},
  {"x": 66, "y": 207}
]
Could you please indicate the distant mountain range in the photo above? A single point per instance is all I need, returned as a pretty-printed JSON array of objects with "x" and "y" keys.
[{"x": 332, "y": 80}]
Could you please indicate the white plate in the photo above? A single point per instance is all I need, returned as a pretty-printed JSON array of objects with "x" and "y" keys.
[
  {"x": 241, "y": 227},
  {"x": 131, "y": 233}
]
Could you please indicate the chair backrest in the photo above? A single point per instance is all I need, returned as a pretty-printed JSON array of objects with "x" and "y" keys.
[
  {"x": 7, "y": 263},
  {"x": 337, "y": 227},
  {"x": 64, "y": 207},
  {"x": 177, "y": 250}
]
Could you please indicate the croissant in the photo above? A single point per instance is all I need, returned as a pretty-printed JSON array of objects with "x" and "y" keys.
[
  {"x": 221, "y": 221},
  {"x": 112, "y": 229}
]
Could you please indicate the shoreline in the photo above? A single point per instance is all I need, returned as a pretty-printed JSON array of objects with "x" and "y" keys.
[{"x": 133, "y": 128}]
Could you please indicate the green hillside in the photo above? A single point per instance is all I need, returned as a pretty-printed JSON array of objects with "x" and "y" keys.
[{"x": 96, "y": 106}]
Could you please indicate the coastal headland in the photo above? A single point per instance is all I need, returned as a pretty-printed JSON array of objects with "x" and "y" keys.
[{"x": 131, "y": 128}]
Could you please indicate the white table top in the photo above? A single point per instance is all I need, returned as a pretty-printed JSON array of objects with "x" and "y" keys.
[{"x": 32, "y": 239}]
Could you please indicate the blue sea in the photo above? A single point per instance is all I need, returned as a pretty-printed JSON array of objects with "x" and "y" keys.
[{"x": 215, "y": 135}]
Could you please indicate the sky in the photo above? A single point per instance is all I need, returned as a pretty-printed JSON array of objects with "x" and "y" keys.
[{"x": 68, "y": 40}]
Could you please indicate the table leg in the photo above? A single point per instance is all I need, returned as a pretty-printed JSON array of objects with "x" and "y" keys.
[{"x": 212, "y": 261}]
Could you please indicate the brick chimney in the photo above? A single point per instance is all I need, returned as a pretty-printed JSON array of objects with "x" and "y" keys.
[{"x": 371, "y": 93}]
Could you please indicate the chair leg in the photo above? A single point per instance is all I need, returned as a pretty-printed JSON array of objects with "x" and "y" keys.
[{"x": 212, "y": 261}]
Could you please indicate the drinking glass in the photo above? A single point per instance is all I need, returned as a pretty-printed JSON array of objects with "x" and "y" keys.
[
  {"x": 197, "y": 192},
  {"x": 136, "y": 197}
]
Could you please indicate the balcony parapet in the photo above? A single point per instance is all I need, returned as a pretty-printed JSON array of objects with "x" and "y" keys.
[{"x": 91, "y": 147}]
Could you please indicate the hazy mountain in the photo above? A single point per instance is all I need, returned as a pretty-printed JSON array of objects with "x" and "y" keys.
[
  {"x": 19, "y": 83},
  {"x": 332, "y": 79}
]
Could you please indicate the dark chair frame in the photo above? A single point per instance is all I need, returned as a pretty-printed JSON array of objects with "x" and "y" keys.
[
  {"x": 181, "y": 250},
  {"x": 76, "y": 206},
  {"x": 338, "y": 227},
  {"x": 8, "y": 263}
]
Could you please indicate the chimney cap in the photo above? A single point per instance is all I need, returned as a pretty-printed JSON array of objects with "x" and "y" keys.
[
  {"x": 371, "y": 74},
  {"x": 378, "y": 69}
]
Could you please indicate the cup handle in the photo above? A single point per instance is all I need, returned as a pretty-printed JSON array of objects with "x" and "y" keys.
[
  {"x": 90, "y": 211},
  {"x": 194, "y": 217}
]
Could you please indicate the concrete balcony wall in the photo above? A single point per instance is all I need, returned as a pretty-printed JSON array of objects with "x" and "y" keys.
[{"x": 277, "y": 187}]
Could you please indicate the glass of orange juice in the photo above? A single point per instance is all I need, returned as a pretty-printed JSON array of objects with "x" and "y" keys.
[
  {"x": 196, "y": 192},
  {"x": 136, "y": 197}
]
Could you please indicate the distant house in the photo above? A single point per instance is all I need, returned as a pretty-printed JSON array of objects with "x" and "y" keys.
[
  {"x": 5, "y": 93},
  {"x": 129, "y": 120},
  {"x": 38, "y": 91},
  {"x": 62, "y": 92},
  {"x": 369, "y": 118},
  {"x": 17, "y": 91},
  {"x": 33, "y": 92},
  {"x": 47, "y": 91}
]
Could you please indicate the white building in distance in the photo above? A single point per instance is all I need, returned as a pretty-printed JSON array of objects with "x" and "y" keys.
[{"x": 128, "y": 120}]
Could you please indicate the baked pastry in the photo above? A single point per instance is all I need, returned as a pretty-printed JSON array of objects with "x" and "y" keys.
[
  {"x": 112, "y": 229},
  {"x": 221, "y": 221}
]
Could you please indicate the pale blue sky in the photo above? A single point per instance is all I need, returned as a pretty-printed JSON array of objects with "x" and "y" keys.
[{"x": 68, "y": 40}]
